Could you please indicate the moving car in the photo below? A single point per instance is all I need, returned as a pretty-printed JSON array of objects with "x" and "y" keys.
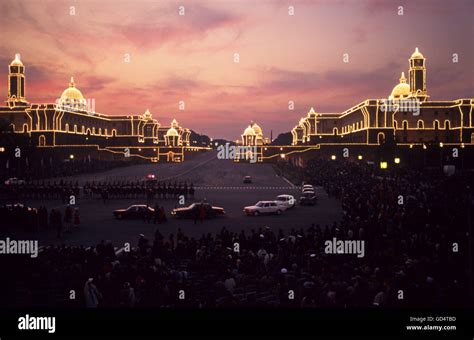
[
  {"x": 193, "y": 210},
  {"x": 151, "y": 178},
  {"x": 14, "y": 181},
  {"x": 263, "y": 207},
  {"x": 308, "y": 198},
  {"x": 135, "y": 211},
  {"x": 247, "y": 179},
  {"x": 285, "y": 201}
]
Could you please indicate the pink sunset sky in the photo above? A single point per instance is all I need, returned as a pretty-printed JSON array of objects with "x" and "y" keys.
[{"x": 191, "y": 58}]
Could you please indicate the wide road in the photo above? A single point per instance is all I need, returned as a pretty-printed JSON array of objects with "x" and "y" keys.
[{"x": 217, "y": 181}]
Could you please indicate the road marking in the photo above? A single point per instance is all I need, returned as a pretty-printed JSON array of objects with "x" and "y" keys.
[{"x": 245, "y": 188}]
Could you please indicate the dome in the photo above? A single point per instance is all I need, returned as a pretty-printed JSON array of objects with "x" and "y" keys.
[
  {"x": 71, "y": 93},
  {"x": 16, "y": 61},
  {"x": 147, "y": 114},
  {"x": 172, "y": 132},
  {"x": 249, "y": 131},
  {"x": 402, "y": 89},
  {"x": 257, "y": 129},
  {"x": 417, "y": 54}
]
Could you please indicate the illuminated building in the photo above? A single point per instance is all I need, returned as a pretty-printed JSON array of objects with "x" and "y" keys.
[
  {"x": 253, "y": 136},
  {"x": 72, "y": 122},
  {"x": 250, "y": 147},
  {"x": 406, "y": 117}
]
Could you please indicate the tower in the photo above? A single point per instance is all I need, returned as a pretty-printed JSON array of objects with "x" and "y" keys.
[
  {"x": 16, "y": 82},
  {"x": 418, "y": 75}
]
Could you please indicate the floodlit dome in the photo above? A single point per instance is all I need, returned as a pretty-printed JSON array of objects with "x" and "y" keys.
[
  {"x": 147, "y": 114},
  {"x": 401, "y": 90},
  {"x": 72, "y": 93},
  {"x": 257, "y": 129},
  {"x": 417, "y": 54},
  {"x": 172, "y": 132},
  {"x": 249, "y": 131},
  {"x": 16, "y": 61}
]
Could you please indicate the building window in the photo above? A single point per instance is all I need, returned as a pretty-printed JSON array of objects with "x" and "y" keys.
[
  {"x": 42, "y": 140},
  {"x": 420, "y": 124}
]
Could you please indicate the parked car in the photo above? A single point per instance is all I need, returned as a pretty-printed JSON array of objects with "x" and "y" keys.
[
  {"x": 193, "y": 210},
  {"x": 135, "y": 211},
  {"x": 14, "y": 181},
  {"x": 308, "y": 198},
  {"x": 285, "y": 201},
  {"x": 247, "y": 179},
  {"x": 263, "y": 208}
]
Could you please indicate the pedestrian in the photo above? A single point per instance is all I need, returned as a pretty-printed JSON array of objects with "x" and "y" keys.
[
  {"x": 156, "y": 214},
  {"x": 92, "y": 296},
  {"x": 77, "y": 219},
  {"x": 202, "y": 212},
  {"x": 163, "y": 214}
]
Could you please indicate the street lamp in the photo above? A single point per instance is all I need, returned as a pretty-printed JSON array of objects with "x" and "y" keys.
[
  {"x": 359, "y": 157},
  {"x": 397, "y": 160},
  {"x": 333, "y": 157},
  {"x": 383, "y": 165},
  {"x": 71, "y": 156}
]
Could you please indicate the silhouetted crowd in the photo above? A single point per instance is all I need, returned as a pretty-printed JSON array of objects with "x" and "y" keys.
[
  {"x": 43, "y": 190},
  {"x": 127, "y": 189},
  {"x": 15, "y": 216},
  {"x": 414, "y": 225}
]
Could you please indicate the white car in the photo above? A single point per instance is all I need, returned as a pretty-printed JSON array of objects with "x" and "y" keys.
[
  {"x": 14, "y": 181},
  {"x": 263, "y": 208},
  {"x": 285, "y": 201}
]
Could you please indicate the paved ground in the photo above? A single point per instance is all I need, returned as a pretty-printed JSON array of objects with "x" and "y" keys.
[{"x": 218, "y": 181}]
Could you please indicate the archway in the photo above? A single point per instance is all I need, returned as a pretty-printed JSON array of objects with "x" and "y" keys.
[{"x": 380, "y": 138}]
